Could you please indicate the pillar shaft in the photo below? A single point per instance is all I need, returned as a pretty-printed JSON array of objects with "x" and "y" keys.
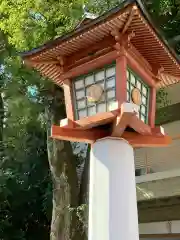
[{"x": 112, "y": 196}]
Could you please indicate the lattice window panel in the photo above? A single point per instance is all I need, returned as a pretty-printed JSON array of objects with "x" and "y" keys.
[
  {"x": 134, "y": 81},
  {"x": 106, "y": 77}
]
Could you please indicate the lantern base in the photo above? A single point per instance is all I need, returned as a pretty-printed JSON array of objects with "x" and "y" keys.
[
  {"x": 119, "y": 122},
  {"x": 156, "y": 139}
]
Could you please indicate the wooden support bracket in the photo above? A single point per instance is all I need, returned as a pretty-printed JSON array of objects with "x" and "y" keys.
[
  {"x": 137, "y": 140},
  {"x": 88, "y": 132},
  {"x": 128, "y": 111},
  {"x": 130, "y": 18},
  {"x": 91, "y": 121},
  {"x": 139, "y": 126},
  {"x": 122, "y": 40},
  {"x": 78, "y": 135},
  {"x": 92, "y": 135}
]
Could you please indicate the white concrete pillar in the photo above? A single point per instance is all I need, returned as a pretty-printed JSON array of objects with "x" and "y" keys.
[{"x": 112, "y": 194}]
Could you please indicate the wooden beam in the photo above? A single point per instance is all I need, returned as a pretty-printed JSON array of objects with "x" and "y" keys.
[
  {"x": 157, "y": 70},
  {"x": 93, "y": 134},
  {"x": 134, "y": 59},
  {"x": 89, "y": 66},
  {"x": 62, "y": 60},
  {"x": 122, "y": 40},
  {"x": 139, "y": 57},
  {"x": 91, "y": 121},
  {"x": 116, "y": 34},
  {"x": 141, "y": 70},
  {"x": 121, "y": 79},
  {"x": 123, "y": 119},
  {"x": 137, "y": 140},
  {"x": 158, "y": 131},
  {"x": 77, "y": 135},
  {"x": 152, "y": 107},
  {"x": 139, "y": 126},
  {"x": 89, "y": 58},
  {"x": 90, "y": 50},
  {"x": 67, "y": 86},
  {"x": 67, "y": 123},
  {"x": 120, "y": 124},
  {"x": 131, "y": 15},
  {"x": 98, "y": 119}
]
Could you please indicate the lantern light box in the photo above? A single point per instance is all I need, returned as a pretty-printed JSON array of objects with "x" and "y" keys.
[
  {"x": 102, "y": 86},
  {"x": 110, "y": 69}
]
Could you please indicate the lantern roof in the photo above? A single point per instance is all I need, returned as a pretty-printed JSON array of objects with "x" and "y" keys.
[{"x": 130, "y": 16}]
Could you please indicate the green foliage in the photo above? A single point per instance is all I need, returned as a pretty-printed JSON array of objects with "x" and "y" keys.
[
  {"x": 24, "y": 184},
  {"x": 99, "y": 7},
  {"x": 162, "y": 98},
  {"x": 162, "y": 102},
  {"x": 165, "y": 14},
  {"x": 31, "y": 23},
  {"x": 82, "y": 213},
  {"x": 24, "y": 177}
]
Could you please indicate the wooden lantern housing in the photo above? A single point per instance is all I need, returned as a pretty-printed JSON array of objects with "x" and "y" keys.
[{"x": 110, "y": 69}]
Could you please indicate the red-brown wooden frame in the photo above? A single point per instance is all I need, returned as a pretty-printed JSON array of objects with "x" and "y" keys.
[
  {"x": 121, "y": 78},
  {"x": 91, "y": 135},
  {"x": 68, "y": 99},
  {"x": 108, "y": 58},
  {"x": 143, "y": 72},
  {"x": 152, "y": 107},
  {"x": 148, "y": 77},
  {"x": 129, "y": 57},
  {"x": 90, "y": 66}
]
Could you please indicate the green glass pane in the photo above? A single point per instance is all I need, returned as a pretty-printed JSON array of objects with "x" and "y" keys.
[
  {"x": 137, "y": 82},
  {"x": 79, "y": 84},
  {"x": 144, "y": 100},
  {"x": 128, "y": 97},
  {"x": 133, "y": 79}
]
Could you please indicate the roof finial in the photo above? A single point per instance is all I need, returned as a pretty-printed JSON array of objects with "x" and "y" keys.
[
  {"x": 87, "y": 14},
  {"x": 86, "y": 17},
  {"x": 85, "y": 9}
]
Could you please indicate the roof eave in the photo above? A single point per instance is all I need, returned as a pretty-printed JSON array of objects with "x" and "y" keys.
[
  {"x": 52, "y": 43},
  {"x": 156, "y": 30},
  {"x": 105, "y": 16}
]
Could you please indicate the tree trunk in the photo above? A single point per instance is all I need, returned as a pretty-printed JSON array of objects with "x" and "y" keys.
[
  {"x": 84, "y": 186},
  {"x": 84, "y": 192},
  {"x": 65, "y": 223},
  {"x": 1, "y": 124}
]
